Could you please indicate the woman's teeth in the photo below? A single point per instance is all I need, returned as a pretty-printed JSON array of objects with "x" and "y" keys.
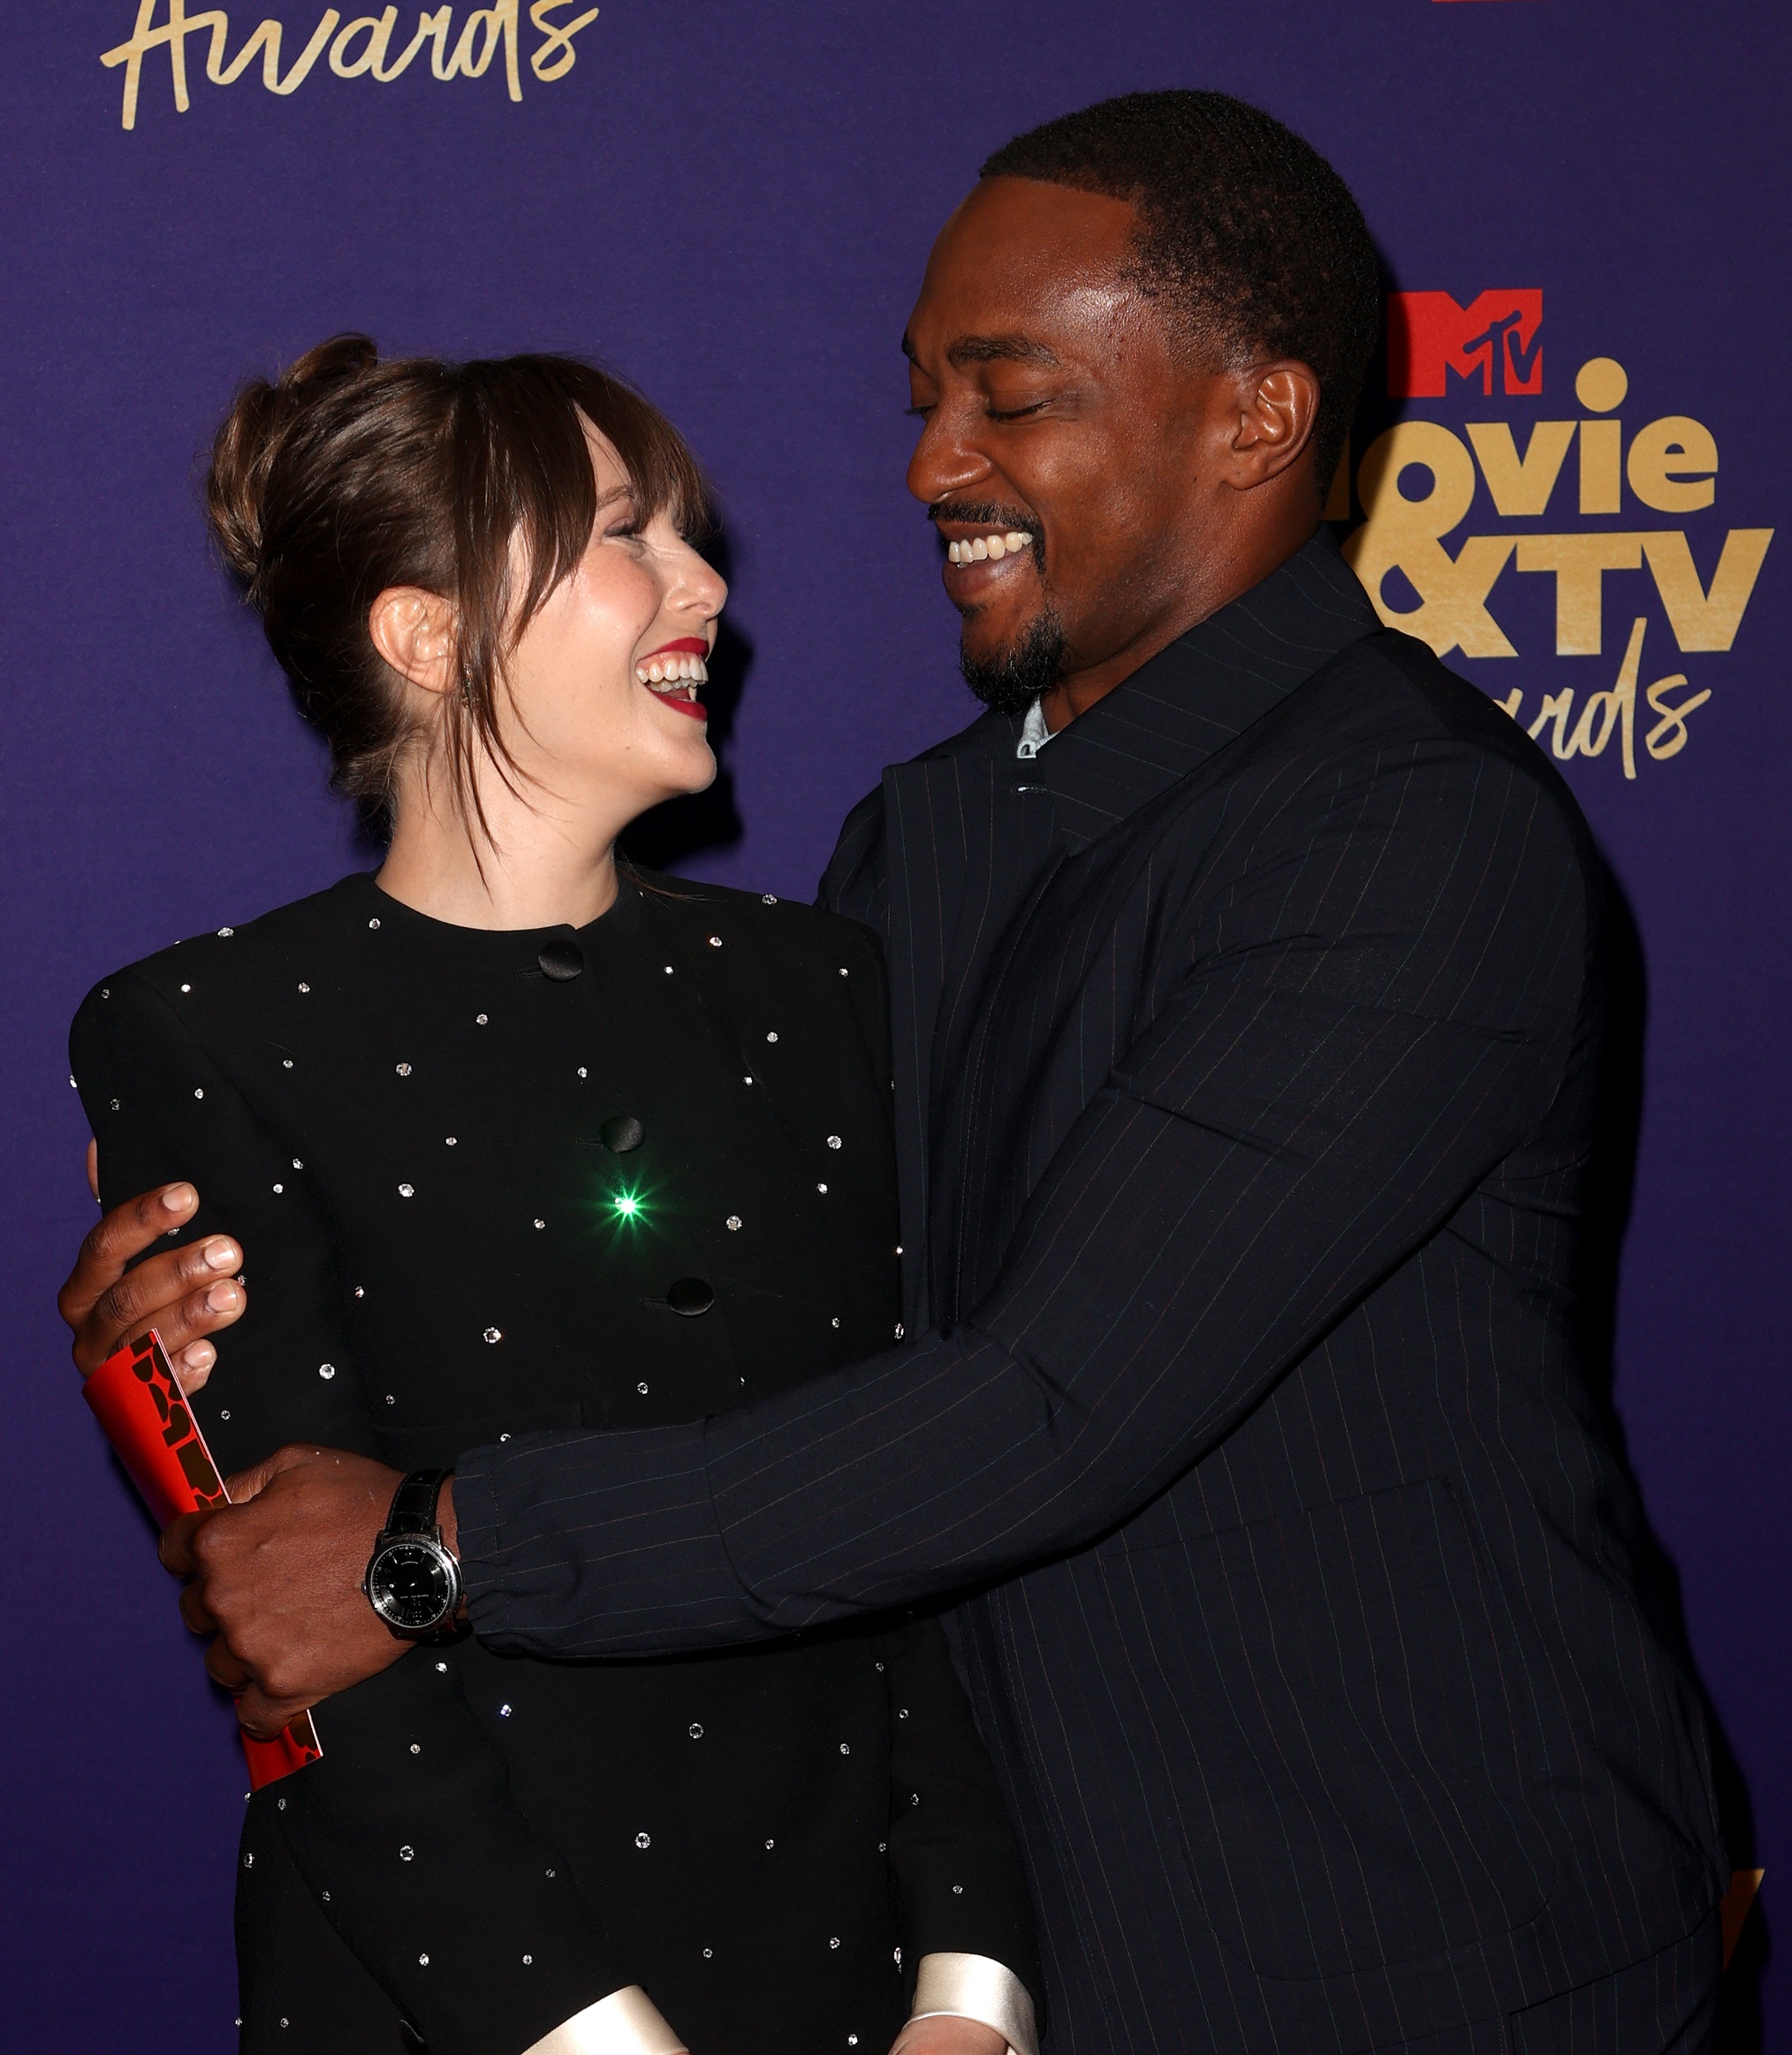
[
  {"x": 672, "y": 675},
  {"x": 987, "y": 545}
]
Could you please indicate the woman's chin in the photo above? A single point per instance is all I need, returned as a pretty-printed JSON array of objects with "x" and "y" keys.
[
  {"x": 703, "y": 774},
  {"x": 693, "y": 770}
]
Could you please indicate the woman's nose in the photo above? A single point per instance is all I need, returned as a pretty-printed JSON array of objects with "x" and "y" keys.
[{"x": 701, "y": 587}]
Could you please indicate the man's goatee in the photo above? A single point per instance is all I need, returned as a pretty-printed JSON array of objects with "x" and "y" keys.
[{"x": 1013, "y": 680}]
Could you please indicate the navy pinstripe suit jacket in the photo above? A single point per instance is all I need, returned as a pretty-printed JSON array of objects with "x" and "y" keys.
[{"x": 1246, "y": 1047}]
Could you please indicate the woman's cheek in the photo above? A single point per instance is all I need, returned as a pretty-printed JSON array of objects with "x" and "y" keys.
[{"x": 621, "y": 599}]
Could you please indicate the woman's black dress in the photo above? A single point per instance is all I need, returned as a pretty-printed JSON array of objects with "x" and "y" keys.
[{"x": 488, "y": 1182}]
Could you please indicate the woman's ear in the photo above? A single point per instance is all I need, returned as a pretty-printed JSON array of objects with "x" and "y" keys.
[{"x": 413, "y": 630}]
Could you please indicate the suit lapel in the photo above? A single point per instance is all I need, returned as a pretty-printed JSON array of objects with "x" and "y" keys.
[
  {"x": 936, "y": 822},
  {"x": 972, "y": 834},
  {"x": 1204, "y": 690}
]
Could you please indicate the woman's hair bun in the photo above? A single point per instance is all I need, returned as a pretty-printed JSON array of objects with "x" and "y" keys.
[{"x": 249, "y": 440}]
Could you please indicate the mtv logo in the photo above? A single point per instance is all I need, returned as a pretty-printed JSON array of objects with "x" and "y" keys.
[{"x": 1429, "y": 336}]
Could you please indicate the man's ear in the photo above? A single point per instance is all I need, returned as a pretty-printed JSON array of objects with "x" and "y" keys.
[
  {"x": 414, "y": 631},
  {"x": 1277, "y": 405}
]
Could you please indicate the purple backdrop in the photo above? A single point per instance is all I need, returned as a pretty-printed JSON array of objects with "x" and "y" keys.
[{"x": 732, "y": 203}]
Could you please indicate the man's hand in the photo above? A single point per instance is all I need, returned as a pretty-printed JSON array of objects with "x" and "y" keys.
[
  {"x": 277, "y": 1577},
  {"x": 185, "y": 1294},
  {"x": 945, "y": 2034}
]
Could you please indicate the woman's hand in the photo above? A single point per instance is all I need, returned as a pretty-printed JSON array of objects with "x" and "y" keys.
[
  {"x": 945, "y": 2034},
  {"x": 185, "y": 1294}
]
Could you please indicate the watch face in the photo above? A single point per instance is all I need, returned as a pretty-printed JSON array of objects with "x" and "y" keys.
[{"x": 412, "y": 1585}]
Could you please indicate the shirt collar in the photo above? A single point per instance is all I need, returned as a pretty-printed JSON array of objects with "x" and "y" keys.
[
  {"x": 1194, "y": 698},
  {"x": 1033, "y": 733}
]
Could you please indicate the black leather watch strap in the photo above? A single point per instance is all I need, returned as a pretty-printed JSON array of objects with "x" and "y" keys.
[{"x": 413, "y": 1502}]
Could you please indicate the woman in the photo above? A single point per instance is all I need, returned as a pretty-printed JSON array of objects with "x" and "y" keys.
[{"x": 522, "y": 1140}]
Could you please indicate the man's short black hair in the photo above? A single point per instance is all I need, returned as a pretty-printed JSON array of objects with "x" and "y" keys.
[{"x": 1248, "y": 234}]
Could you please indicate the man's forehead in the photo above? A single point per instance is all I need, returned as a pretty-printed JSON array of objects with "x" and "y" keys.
[
  {"x": 1074, "y": 324},
  {"x": 1020, "y": 272}
]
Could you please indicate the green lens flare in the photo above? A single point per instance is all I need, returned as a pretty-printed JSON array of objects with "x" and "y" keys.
[{"x": 625, "y": 1210}]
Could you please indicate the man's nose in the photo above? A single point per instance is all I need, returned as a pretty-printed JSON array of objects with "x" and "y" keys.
[{"x": 946, "y": 460}]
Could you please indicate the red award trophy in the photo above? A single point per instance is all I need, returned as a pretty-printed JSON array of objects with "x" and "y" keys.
[{"x": 138, "y": 1402}]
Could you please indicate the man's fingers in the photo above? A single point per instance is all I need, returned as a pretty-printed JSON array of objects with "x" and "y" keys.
[
  {"x": 193, "y": 1611},
  {"x": 177, "y": 1547},
  {"x": 223, "y": 1667},
  {"x": 94, "y": 1167},
  {"x": 120, "y": 1236},
  {"x": 252, "y": 1482},
  {"x": 264, "y": 1716},
  {"x": 182, "y": 1316},
  {"x": 256, "y": 1716},
  {"x": 182, "y": 1321},
  {"x": 193, "y": 1365},
  {"x": 186, "y": 1294},
  {"x": 126, "y": 1231}
]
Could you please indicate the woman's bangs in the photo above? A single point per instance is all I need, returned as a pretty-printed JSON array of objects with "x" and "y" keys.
[{"x": 665, "y": 476}]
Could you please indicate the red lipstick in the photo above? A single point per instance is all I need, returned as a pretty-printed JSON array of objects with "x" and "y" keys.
[{"x": 686, "y": 645}]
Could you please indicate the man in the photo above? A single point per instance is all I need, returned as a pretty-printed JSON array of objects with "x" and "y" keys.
[{"x": 1246, "y": 969}]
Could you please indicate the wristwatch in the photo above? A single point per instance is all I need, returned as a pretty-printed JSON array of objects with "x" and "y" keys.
[{"x": 413, "y": 1581}]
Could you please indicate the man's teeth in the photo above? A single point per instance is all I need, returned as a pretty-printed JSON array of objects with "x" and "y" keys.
[
  {"x": 670, "y": 674},
  {"x": 987, "y": 545}
]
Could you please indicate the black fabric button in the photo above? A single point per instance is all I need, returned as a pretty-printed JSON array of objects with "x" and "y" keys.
[
  {"x": 561, "y": 959},
  {"x": 622, "y": 1134},
  {"x": 690, "y": 1296}
]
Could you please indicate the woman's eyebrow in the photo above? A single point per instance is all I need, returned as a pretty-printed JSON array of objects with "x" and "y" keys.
[{"x": 615, "y": 493}]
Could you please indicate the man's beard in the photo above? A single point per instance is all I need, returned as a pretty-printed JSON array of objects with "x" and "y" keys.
[{"x": 1012, "y": 680}]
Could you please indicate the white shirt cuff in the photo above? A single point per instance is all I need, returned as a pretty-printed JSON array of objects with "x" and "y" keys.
[
  {"x": 627, "y": 2022},
  {"x": 975, "y": 1987}
]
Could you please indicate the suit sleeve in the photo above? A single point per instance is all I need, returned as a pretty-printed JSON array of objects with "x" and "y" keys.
[
  {"x": 1378, "y": 1007},
  {"x": 855, "y": 882},
  {"x": 404, "y": 1831},
  {"x": 960, "y": 1889}
]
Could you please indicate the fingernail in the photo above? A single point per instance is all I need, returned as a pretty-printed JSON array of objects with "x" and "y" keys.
[
  {"x": 198, "y": 1356},
  {"x": 223, "y": 1298},
  {"x": 178, "y": 1197},
  {"x": 221, "y": 1255}
]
